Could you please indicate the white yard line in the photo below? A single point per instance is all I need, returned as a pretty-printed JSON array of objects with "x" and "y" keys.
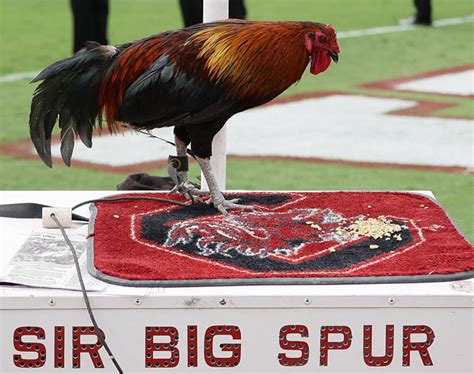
[
  {"x": 400, "y": 28},
  {"x": 18, "y": 76},
  {"x": 341, "y": 35}
]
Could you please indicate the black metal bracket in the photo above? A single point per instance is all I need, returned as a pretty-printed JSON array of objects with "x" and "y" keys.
[{"x": 175, "y": 165}]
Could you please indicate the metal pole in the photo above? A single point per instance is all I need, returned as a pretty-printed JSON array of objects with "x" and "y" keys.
[{"x": 215, "y": 10}]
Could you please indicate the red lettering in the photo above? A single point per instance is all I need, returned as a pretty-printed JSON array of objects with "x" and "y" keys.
[
  {"x": 92, "y": 349},
  {"x": 371, "y": 360},
  {"x": 22, "y": 346},
  {"x": 293, "y": 345},
  {"x": 211, "y": 333},
  {"x": 59, "y": 346},
  {"x": 192, "y": 346},
  {"x": 326, "y": 345},
  {"x": 151, "y": 346},
  {"x": 421, "y": 347}
]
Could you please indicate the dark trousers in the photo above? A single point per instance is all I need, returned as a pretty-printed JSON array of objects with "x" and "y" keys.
[
  {"x": 90, "y": 21},
  {"x": 192, "y": 10},
  {"x": 423, "y": 11}
]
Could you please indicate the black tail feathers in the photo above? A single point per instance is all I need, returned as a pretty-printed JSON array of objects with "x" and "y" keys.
[{"x": 69, "y": 94}]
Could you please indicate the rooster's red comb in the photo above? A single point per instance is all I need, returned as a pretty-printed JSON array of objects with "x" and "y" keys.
[{"x": 331, "y": 29}]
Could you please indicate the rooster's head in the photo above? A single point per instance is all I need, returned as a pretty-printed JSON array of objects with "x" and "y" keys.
[{"x": 322, "y": 46}]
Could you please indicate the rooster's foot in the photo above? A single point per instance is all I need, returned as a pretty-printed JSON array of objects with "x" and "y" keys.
[
  {"x": 217, "y": 199},
  {"x": 223, "y": 205},
  {"x": 189, "y": 191}
]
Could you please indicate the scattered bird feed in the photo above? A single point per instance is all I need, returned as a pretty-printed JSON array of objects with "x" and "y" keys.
[{"x": 375, "y": 228}]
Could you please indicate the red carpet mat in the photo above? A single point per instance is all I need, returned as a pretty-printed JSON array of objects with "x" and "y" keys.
[{"x": 295, "y": 238}]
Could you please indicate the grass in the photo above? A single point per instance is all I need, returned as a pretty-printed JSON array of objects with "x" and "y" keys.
[{"x": 36, "y": 33}]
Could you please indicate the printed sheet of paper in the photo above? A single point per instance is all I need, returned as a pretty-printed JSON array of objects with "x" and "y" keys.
[{"x": 45, "y": 260}]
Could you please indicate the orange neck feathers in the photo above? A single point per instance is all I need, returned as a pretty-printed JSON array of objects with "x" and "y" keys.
[{"x": 256, "y": 62}]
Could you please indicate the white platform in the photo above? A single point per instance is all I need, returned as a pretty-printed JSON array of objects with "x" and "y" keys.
[{"x": 260, "y": 312}]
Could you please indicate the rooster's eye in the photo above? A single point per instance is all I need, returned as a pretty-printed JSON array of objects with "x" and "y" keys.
[{"x": 323, "y": 39}]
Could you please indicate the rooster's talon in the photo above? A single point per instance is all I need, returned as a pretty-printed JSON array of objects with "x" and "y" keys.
[
  {"x": 225, "y": 205},
  {"x": 189, "y": 191}
]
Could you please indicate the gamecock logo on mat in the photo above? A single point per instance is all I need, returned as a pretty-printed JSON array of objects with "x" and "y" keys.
[{"x": 281, "y": 237}]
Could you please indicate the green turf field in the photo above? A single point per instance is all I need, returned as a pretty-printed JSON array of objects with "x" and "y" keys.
[{"x": 35, "y": 33}]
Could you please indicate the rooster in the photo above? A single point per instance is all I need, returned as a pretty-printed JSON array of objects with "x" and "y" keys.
[{"x": 193, "y": 79}]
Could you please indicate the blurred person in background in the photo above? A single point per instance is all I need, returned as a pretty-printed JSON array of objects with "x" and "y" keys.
[
  {"x": 423, "y": 12},
  {"x": 422, "y": 15},
  {"x": 192, "y": 10},
  {"x": 90, "y": 21}
]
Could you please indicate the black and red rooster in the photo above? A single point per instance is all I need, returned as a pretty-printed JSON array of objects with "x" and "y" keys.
[{"x": 194, "y": 79}]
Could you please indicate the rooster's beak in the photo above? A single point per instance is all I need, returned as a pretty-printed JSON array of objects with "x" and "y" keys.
[{"x": 334, "y": 56}]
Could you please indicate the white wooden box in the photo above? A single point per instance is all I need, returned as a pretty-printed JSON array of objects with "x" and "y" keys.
[{"x": 255, "y": 320}]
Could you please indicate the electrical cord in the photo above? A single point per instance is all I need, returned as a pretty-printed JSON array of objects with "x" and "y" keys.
[
  {"x": 34, "y": 211},
  {"x": 125, "y": 198},
  {"x": 100, "y": 337}
]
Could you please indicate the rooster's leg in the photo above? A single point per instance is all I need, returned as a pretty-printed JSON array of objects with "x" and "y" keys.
[
  {"x": 184, "y": 186},
  {"x": 217, "y": 199},
  {"x": 181, "y": 152}
]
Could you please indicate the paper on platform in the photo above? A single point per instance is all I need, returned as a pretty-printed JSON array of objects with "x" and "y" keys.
[{"x": 43, "y": 259}]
